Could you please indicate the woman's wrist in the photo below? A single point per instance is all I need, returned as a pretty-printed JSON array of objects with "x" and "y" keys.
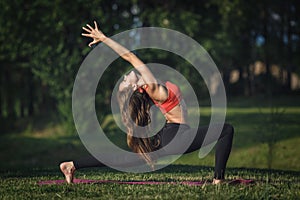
[{"x": 103, "y": 38}]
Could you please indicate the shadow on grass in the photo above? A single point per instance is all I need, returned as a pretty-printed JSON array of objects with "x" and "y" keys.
[{"x": 22, "y": 152}]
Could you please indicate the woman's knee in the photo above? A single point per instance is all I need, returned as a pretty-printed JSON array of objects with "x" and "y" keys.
[{"x": 228, "y": 129}]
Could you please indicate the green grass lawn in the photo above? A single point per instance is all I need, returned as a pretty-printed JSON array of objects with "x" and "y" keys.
[
  {"x": 34, "y": 154},
  {"x": 269, "y": 184}
]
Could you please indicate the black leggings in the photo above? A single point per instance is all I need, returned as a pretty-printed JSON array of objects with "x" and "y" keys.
[{"x": 170, "y": 130}]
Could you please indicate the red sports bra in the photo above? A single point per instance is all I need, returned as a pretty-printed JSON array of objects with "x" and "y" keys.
[{"x": 174, "y": 97}]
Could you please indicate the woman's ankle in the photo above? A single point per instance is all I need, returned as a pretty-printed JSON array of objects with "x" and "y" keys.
[
  {"x": 69, "y": 166},
  {"x": 217, "y": 181}
]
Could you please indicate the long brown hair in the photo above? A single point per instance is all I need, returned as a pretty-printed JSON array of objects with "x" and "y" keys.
[{"x": 135, "y": 111}]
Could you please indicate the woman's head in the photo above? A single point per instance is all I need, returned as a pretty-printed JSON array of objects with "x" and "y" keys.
[
  {"x": 131, "y": 80},
  {"x": 133, "y": 102}
]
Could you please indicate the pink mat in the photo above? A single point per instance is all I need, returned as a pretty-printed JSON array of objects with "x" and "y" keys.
[{"x": 191, "y": 183}]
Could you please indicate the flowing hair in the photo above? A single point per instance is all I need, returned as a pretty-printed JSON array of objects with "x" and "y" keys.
[{"x": 135, "y": 112}]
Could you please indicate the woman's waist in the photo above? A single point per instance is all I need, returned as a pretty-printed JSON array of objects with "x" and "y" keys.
[
  {"x": 177, "y": 115},
  {"x": 176, "y": 125},
  {"x": 177, "y": 119}
]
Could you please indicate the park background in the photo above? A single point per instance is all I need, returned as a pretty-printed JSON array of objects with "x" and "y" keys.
[{"x": 255, "y": 44}]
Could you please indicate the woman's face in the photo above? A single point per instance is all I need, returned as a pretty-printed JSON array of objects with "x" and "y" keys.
[{"x": 130, "y": 80}]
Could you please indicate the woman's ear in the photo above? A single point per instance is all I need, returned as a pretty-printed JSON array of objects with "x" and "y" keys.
[{"x": 134, "y": 87}]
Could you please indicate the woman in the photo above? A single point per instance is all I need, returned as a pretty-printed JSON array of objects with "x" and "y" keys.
[{"x": 137, "y": 93}]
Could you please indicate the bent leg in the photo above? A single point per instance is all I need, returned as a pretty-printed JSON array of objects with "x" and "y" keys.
[
  {"x": 223, "y": 146},
  {"x": 223, "y": 149}
]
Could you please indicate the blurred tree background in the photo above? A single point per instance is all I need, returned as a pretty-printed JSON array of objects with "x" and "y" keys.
[{"x": 255, "y": 44}]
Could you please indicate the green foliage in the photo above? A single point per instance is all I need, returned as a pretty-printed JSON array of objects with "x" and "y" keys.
[
  {"x": 42, "y": 49},
  {"x": 45, "y": 38}
]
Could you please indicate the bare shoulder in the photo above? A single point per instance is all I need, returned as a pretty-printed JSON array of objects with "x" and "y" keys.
[{"x": 157, "y": 92}]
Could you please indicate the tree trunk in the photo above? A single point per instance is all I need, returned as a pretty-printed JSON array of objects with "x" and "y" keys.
[
  {"x": 9, "y": 95},
  {"x": 31, "y": 91},
  {"x": 289, "y": 48},
  {"x": 266, "y": 47},
  {"x": 1, "y": 94}
]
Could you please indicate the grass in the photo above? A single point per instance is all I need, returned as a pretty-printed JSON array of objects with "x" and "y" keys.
[
  {"x": 268, "y": 185},
  {"x": 34, "y": 154}
]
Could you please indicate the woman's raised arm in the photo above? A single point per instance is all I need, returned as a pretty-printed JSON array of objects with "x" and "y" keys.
[{"x": 155, "y": 90}]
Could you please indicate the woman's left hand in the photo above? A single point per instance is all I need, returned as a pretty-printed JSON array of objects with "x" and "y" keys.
[{"x": 93, "y": 33}]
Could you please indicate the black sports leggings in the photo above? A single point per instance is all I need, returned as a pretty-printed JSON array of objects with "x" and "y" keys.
[{"x": 170, "y": 130}]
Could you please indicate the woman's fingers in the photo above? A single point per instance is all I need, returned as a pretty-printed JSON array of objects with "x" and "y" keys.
[
  {"x": 91, "y": 43},
  {"x": 86, "y": 35},
  {"x": 90, "y": 27},
  {"x": 96, "y": 27},
  {"x": 93, "y": 33},
  {"x": 87, "y": 30}
]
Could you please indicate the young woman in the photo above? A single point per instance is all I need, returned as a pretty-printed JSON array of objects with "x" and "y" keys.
[{"x": 137, "y": 93}]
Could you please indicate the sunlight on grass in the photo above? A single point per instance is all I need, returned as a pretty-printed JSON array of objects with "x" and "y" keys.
[
  {"x": 254, "y": 157},
  {"x": 47, "y": 146}
]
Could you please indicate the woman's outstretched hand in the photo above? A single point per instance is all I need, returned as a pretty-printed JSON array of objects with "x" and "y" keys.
[{"x": 93, "y": 33}]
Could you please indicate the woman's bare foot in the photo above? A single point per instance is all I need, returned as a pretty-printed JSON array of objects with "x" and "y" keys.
[
  {"x": 68, "y": 169},
  {"x": 217, "y": 181}
]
